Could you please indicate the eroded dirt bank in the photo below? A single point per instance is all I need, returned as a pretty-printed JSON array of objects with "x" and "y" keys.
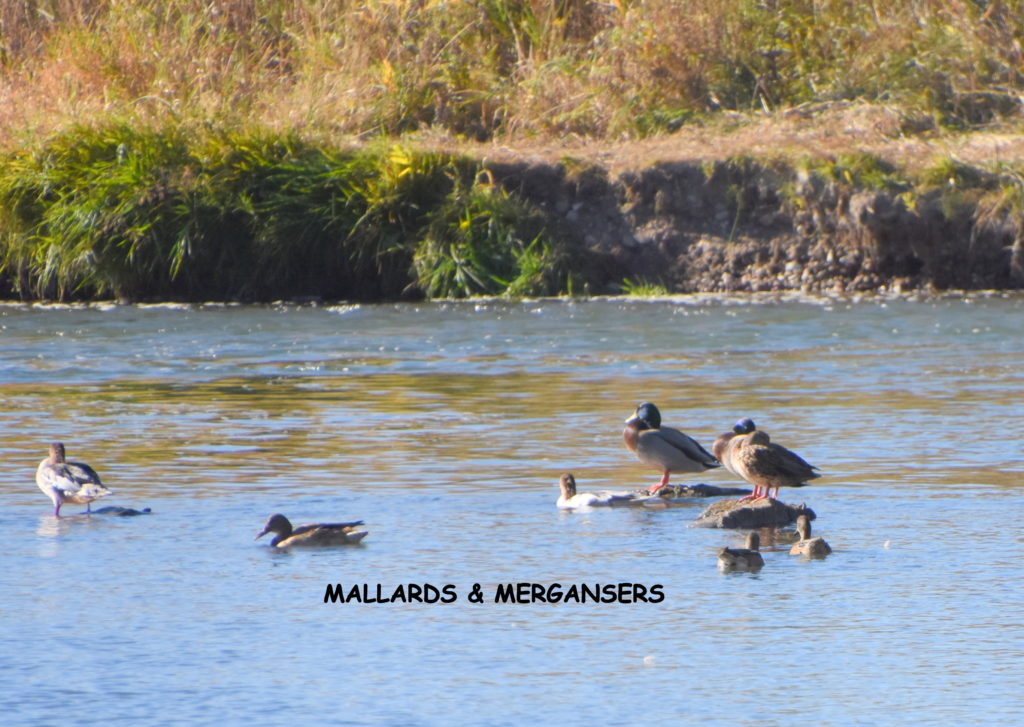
[{"x": 743, "y": 225}]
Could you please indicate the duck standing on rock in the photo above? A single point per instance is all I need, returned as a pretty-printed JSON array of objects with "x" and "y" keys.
[
  {"x": 64, "y": 481},
  {"x": 664, "y": 448},
  {"x": 811, "y": 547},
  {"x": 742, "y": 559},
  {"x": 750, "y": 454},
  {"x": 311, "y": 535}
]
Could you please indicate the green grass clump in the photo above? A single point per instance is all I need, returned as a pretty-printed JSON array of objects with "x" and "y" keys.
[
  {"x": 172, "y": 214},
  {"x": 484, "y": 241},
  {"x": 860, "y": 170},
  {"x": 205, "y": 213},
  {"x": 642, "y": 288}
]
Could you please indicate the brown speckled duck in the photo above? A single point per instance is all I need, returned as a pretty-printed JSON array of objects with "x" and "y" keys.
[
  {"x": 64, "y": 481},
  {"x": 750, "y": 454},
  {"x": 666, "y": 449},
  {"x": 811, "y": 547},
  {"x": 311, "y": 535},
  {"x": 742, "y": 559}
]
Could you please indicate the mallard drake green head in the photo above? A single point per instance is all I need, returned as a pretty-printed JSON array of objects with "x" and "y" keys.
[
  {"x": 744, "y": 426},
  {"x": 666, "y": 449},
  {"x": 742, "y": 559},
  {"x": 312, "y": 534},
  {"x": 812, "y": 547},
  {"x": 64, "y": 481}
]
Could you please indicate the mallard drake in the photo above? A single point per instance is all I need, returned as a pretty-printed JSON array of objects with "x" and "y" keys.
[
  {"x": 750, "y": 454},
  {"x": 666, "y": 449},
  {"x": 748, "y": 558},
  {"x": 312, "y": 534},
  {"x": 811, "y": 547},
  {"x": 64, "y": 481},
  {"x": 571, "y": 500}
]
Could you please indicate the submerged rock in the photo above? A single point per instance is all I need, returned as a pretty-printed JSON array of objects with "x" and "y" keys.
[
  {"x": 121, "y": 511},
  {"x": 751, "y": 514},
  {"x": 675, "y": 492}
]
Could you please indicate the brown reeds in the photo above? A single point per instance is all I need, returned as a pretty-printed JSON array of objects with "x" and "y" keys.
[{"x": 497, "y": 67}]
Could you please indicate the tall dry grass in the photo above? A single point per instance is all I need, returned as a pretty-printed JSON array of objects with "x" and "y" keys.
[{"x": 497, "y": 67}]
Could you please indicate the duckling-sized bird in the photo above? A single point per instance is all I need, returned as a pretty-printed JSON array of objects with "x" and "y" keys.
[
  {"x": 742, "y": 559},
  {"x": 571, "y": 500},
  {"x": 311, "y": 535},
  {"x": 811, "y": 547},
  {"x": 64, "y": 481},
  {"x": 666, "y": 449},
  {"x": 752, "y": 455}
]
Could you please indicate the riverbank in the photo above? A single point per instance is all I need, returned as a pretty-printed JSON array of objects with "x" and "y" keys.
[
  {"x": 832, "y": 197},
  {"x": 277, "y": 150},
  {"x": 836, "y": 198}
]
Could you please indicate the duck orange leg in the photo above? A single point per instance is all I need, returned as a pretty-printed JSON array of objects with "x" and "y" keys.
[
  {"x": 664, "y": 481},
  {"x": 755, "y": 495}
]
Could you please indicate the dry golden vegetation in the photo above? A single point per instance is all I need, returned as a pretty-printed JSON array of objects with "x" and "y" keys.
[{"x": 516, "y": 70}]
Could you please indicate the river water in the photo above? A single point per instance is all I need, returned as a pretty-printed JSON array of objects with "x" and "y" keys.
[{"x": 445, "y": 427}]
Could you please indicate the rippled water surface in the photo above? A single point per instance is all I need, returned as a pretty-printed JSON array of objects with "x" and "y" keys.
[{"x": 445, "y": 427}]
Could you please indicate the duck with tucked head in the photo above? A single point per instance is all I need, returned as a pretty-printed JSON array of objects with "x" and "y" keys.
[
  {"x": 750, "y": 454},
  {"x": 571, "y": 500},
  {"x": 724, "y": 443},
  {"x": 311, "y": 535},
  {"x": 666, "y": 449},
  {"x": 811, "y": 547},
  {"x": 742, "y": 559},
  {"x": 64, "y": 481}
]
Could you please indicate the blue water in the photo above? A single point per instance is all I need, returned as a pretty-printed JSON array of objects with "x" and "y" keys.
[{"x": 445, "y": 427}]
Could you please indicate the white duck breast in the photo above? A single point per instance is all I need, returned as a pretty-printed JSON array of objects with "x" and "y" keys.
[{"x": 569, "y": 499}]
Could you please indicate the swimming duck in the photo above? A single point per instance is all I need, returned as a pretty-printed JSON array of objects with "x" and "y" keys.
[
  {"x": 750, "y": 454},
  {"x": 313, "y": 534},
  {"x": 664, "y": 448},
  {"x": 811, "y": 547},
  {"x": 571, "y": 500},
  {"x": 64, "y": 481},
  {"x": 742, "y": 559}
]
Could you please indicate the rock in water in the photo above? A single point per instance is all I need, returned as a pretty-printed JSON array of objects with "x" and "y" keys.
[
  {"x": 671, "y": 492},
  {"x": 733, "y": 514},
  {"x": 121, "y": 511}
]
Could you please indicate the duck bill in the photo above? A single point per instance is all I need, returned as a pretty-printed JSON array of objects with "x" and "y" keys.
[
  {"x": 632, "y": 419},
  {"x": 262, "y": 533}
]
